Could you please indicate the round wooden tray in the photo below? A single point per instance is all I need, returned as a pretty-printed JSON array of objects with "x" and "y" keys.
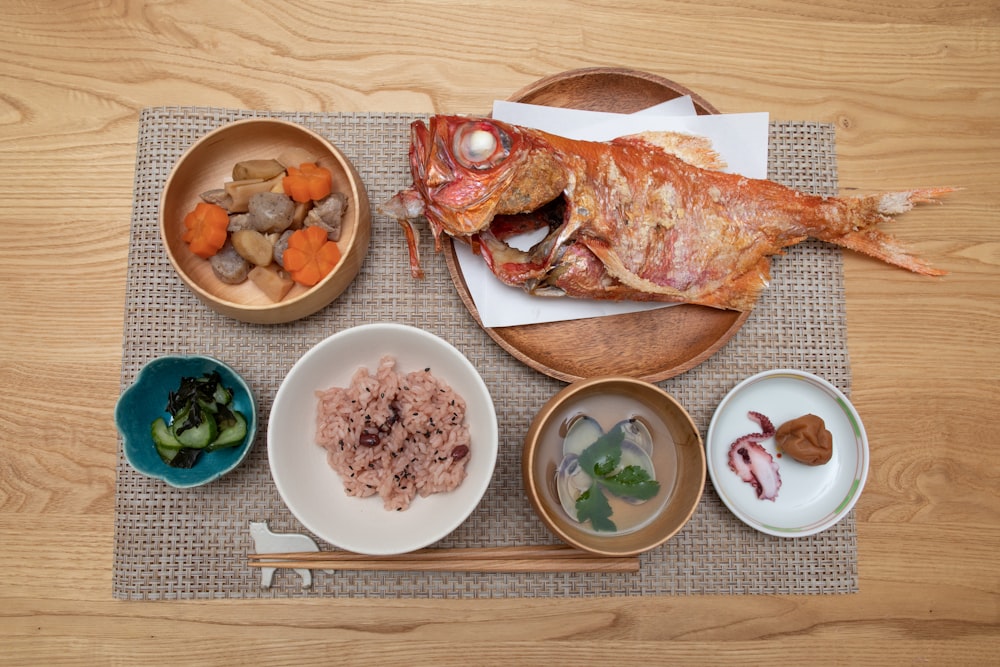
[{"x": 651, "y": 345}]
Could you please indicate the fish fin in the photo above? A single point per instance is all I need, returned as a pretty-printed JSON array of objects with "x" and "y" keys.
[
  {"x": 878, "y": 244},
  {"x": 413, "y": 246},
  {"x": 694, "y": 150},
  {"x": 742, "y": 292},
  {"x": 406, "y": 207}
]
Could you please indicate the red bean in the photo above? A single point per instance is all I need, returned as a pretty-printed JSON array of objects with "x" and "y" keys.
[
  {"x": 369, "y": 439},
  {"x": 459, "y": 452}
]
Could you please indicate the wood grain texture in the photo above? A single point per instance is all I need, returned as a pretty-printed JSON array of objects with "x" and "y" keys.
[{"x": 914, "y": 89}]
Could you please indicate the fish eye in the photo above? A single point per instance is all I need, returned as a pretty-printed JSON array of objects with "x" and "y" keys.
[{"x": 480, "y": 145}]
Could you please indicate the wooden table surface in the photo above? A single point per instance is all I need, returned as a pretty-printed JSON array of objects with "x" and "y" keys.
[{"x": 914, "y": 91}]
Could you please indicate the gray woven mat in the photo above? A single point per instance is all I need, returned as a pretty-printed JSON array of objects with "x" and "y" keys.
[{"x": 179, "y": 544}]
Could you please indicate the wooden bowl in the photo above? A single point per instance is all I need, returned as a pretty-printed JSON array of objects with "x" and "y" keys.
[
  {"x": 677, "y": 456},
  {"x": 614, "y": 89},
  {"x": 207, "y": 165}
]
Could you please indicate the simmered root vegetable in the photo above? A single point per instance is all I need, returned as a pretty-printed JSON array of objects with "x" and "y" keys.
[
  {"x": 242, "y": 191},
  {"x": 265, "y": 170},
  {"x": 271, "y": 212},
  {"x": 229, "y": 266},
  {"x": 272, "y": 281},
  {"x": 243, "y": 228},
  {"x": 253, "y": 246},
  {"x": 205, "y": 229},
  {"x": 307, "y": 182},
  {"x": 310, "y": 256}
]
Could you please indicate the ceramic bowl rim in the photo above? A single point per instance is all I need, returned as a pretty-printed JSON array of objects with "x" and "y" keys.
[
  {"x": 294, "y": 383},
  {"x": 164, "y": 475}
]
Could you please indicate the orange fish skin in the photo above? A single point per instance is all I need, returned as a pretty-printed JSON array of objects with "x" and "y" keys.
[
  {"x": 461, "y": 201},
  {"x": 639, "y": 223}
]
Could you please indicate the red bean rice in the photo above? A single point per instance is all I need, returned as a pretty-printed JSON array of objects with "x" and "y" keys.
[{"x": 418, "y": 426}]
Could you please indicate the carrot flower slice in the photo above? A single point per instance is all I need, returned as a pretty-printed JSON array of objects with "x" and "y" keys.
[
  {"x": 205, "y": 229},
  {"x": 310, "y": 256},
  {"x": 307, "y": 182}
]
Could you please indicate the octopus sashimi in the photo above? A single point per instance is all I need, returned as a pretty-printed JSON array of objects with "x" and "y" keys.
[
  {"x": 649, "y": 217},
  {"x": 753, "y": 463}
]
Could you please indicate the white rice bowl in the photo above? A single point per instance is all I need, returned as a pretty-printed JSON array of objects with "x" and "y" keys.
[{"x": 315, "y": 493}]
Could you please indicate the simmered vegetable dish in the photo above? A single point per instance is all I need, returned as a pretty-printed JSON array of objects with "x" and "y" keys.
[{"x": 270, "y": 206}]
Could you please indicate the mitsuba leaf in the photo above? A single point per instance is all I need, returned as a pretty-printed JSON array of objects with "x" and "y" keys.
[
  {"x": 601, "y": 461},
  {"x": 602, "y": 457},
  {"x": 594, "y": 506},
  {"x": 632, "y": 482}
]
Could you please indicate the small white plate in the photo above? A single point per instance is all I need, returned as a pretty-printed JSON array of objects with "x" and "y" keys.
[{"x": 811, "y": 498}]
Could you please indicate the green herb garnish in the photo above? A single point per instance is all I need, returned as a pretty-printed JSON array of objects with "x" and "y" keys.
[
  {"x": 593, "y": 505},
  {"x": 632, "y": 482},
  {"x": 600, "y": 460}
]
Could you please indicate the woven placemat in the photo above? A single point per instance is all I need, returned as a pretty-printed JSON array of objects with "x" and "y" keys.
[{"x": 181, "y": 544}]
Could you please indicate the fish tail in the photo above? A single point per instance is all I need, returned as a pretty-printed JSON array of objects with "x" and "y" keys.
[
  {"x": 880, "y": 245},
  {"x": 895, "y": 203},
  {"x": 864, "y": 213}
]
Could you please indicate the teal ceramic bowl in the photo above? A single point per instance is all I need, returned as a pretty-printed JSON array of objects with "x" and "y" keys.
[{"x": 146, "y": 399}]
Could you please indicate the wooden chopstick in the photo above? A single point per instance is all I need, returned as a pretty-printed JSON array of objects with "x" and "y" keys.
[
  {"x": 542, "y": 558},
  {"x": 541, "y": 550}
]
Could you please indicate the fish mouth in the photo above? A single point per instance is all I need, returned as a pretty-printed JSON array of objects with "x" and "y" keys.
[{"x": 521, "y": 249}]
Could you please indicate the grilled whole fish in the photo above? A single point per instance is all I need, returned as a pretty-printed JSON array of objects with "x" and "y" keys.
[{"x": 648, "y": 217}]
